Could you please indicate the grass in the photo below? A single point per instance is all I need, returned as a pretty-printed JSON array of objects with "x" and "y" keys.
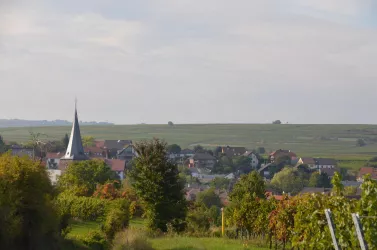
[
  {"x": 190, "y": 243},
  {"x": 173, "y": 243},
  {"x": 137, "y": 223},
  {"x": 309, "y": 140},
  {"x": 84, "y": 227}
]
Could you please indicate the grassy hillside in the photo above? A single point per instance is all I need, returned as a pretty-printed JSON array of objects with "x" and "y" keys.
[{"x": 306, "y": 140}]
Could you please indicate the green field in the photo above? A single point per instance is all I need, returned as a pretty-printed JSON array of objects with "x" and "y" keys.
[{"x": 308, "y": 140}]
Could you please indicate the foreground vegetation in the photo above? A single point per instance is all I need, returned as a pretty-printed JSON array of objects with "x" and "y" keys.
[
  {"x": 91, "y": 209},
  {"x": 305, "y": 140},
  {"x": 173, "y": 242}
]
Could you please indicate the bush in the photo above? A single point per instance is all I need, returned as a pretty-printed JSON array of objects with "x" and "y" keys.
[
  {"x": 84, "y": 208},
  {"x": 94, "y": 240},
  {"x": 131, "y": 239},
  {"x": 117, "y": 217},
  {"x": 198, "y": 223}
]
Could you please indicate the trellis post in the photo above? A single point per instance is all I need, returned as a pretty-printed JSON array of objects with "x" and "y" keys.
[{"x": 332, "y": 229}]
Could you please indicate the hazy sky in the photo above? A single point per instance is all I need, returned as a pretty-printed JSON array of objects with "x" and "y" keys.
[{"x": 190, "y": 61}]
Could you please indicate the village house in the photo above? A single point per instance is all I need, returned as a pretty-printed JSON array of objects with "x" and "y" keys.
[
  {"x": 254, "y": 159},
  {"x": 329, "y": 171},
  {"x": 18, "y": 150},
  {"x": 322, "y": 163},
  {"x": 94, "y": 152},
  {"x": 309, "y": 161},
  {"x": 127, "y": 154},
  {"x": 113, "y": 147},
  {"x": 186, "y": 153},
  {"x": 118, "y": 166},
  {"x": 367, "y": 170},
  {"x": 202, "y": 160},
  {"x": 281, "y": 153},
  {"x": 264, "y": 171},
  {"x": 233, "y": 151}
]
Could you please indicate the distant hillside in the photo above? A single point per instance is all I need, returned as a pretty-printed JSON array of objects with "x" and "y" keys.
[
  {"x": 4, "y": 123},
  {"x": 305, "y": 140}
]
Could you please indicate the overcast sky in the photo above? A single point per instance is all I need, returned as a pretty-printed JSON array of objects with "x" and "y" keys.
[{"x": 190, "y": 61}]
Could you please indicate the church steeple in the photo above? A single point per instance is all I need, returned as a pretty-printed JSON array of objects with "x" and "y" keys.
[{"x": 75, "y": 150}]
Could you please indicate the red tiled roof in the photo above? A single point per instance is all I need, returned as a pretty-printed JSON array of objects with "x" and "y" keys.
[
  {"x": 368, "y": 170},
  {"x": 283, "y": 152},
  {"x": 116, "y": 164}
]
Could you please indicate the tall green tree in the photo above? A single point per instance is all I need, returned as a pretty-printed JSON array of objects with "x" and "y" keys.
[
  {"x": 220, "y": 183},
  {"x": 199, "y": 149},
  {"x": 28, "y": 217},
  {"x": 65, "y": 140},
  {"x": 174, "y": 149},
  {"x": 81, "y": 178},
  {"x": 251, "y": 183},
  {"x": 209, "y": 198},
  {"x": 338, "y": 187},
  {"x": 319, "y": 180},
  {"x": 288, "y": 180},
  {"x": 156, "y": 181},
  {"x": 88, "y": 141}
]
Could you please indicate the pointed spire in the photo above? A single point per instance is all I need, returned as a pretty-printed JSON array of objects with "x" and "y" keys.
[{"x": 75, "y": 150}]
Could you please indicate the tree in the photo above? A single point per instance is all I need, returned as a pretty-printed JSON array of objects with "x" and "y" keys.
[
  {"x": 88, "y": 141},
  {"x": 251, "y": 183},
  {"x": 82, "y": 177},
  {"x": 350, "y": 190},
  {"x": 241, "y": 161},
  {"x": 338, "y": 187},
  {"x": 319, "y": 180},
  {"x": 360, "y": 143},
  {"x": 3, "y": 147},
  {"x": 28, "y": 218},
  {"x": 261, "y": 150},
  {"x": 217, "y": 151},
  {"x": 209, "y": 198},
  {"x": 198, "y": 149},
  {"x": 174, "y": 149},
  {"x": 170, "y": 123},
  {"x": 65, "y": 140},
  {"x": 288, "y": 180},
  {"x": 156, "y": 181},
  {"x": 220, "y": 183},
  {"x": 276, "y": 122},
  {"x": 36, "y": 143}
]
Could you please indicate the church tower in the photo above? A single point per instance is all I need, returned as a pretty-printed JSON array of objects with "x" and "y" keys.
[{"x": 75, "y": 150}]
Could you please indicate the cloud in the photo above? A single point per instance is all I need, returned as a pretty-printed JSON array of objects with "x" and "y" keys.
[
  {"x": 217, "y": 61},
  {"x": 344, "y": 7}
]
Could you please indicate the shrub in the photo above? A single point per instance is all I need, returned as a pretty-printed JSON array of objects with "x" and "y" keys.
[
  {"x": 198, "y": 223},
  {"x": 131, "y": 239},
  {"x": 84, "y": 208},
  {"x": 94, "y": 240},
  {"x": 117, "y": 217}
]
